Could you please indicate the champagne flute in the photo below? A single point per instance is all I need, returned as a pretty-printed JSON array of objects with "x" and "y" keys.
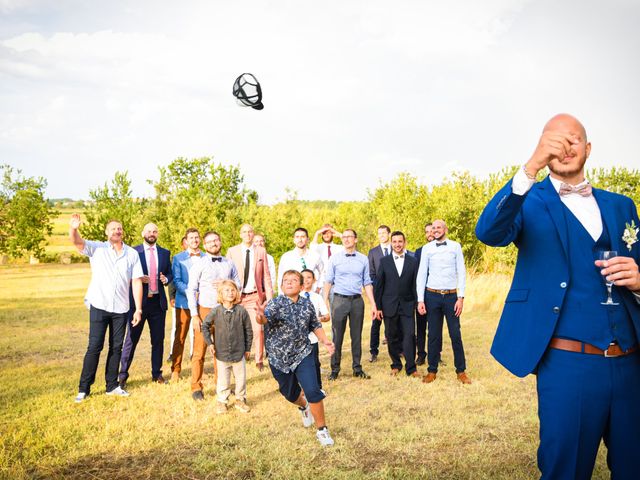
[{"x": 607, "y": 255}]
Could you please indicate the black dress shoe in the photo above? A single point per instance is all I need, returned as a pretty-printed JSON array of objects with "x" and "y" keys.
[
  {"x": 361, "y": 374},
  {"x": 197, "y": 395},
  {"x": 419, "y": 361},
  {"x": 333, "y": 376},
  {"x": 373, "y": 357}
]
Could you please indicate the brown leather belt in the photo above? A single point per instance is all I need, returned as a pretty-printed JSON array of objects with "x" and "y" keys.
[
  {"x": 250, "y": 293},
  {"x": 614, "y": 349},
  {"x": 442, "y": 292}
]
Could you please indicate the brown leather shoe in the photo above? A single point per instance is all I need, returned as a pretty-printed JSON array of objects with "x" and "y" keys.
[
  {"x": 462, "y": 376},
  {"x": 394, "y": 372},
  {"x": 429, "y": 377},
  {"x": 159, "y": 380},
  {"x": 414, "y": 375}
]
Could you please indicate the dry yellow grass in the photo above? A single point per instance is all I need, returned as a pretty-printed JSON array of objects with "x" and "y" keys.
[{"x": 384, "y": 428}]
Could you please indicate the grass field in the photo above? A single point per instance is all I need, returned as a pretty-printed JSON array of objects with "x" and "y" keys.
[{"x": 384, "y": 427}]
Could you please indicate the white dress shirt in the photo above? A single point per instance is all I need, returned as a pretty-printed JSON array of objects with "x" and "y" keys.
[
  {"x": 399, "y": 261},
  {"x": 251, "y": 280},
  {"x": 292, "y": 260},
  {"x": 320, "y": 308},
  {"x": 322, "y": 249}
]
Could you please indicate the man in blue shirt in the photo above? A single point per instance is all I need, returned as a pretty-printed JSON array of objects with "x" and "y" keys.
[
  {"x": 348, "y": 272},
  {"x": 288, "y": 319},
  {"x": 440, "y": 288}
]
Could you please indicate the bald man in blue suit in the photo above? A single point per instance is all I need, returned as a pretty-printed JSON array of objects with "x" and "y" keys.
[{"x": 585, "y": 354}]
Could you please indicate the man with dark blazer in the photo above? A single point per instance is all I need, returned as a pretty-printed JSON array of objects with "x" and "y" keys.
[
  {"x": 395, "y": 294},
  {"x": 156, "y": 266},
  {"x": 375, "y": 255},
  {"x": 556, "y": 323},
  {"x": 421, "y": 320}
]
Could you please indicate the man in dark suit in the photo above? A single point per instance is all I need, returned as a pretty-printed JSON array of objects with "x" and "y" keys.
[
  {"x": 375, "y": 255},
  {"x": 555, "y": 322},
  {"x": 395, "y": 293},
  {"x": 421, "y": 320},
  {"x": 156, "y": 265}
]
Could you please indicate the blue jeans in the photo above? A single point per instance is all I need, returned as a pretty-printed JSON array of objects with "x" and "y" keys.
[{"x": 438, "y": 307}]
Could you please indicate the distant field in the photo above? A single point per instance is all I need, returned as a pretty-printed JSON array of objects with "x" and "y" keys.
[
  {"x": 59, "y": 239},
  {"x": 384, "y": 427}
]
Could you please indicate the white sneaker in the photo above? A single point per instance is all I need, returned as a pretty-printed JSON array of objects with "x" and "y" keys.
[
  {"x": 118, "y": 392},
  {"x": 307, "y": 418},
  {"x": 81, "y": 397},
  {"x": 324, "y": 438}
]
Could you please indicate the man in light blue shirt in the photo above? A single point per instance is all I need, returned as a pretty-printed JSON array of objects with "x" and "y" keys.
[
  {"x": 440, "y": 288},
  {"x": 115, "y": 267},
  {"x": 348, "y": 272}
]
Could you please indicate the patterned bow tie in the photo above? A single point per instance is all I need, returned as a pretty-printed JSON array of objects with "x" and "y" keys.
[
  {"x": 216, "y": 259},
  {"x": 194, "y": 254},
  {"x": 583, "y": 190},
  {"x": 440, "y": 244},
  {"x": 350, "y": 254}
]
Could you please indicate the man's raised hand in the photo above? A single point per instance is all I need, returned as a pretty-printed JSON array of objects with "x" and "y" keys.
[
  {"x": 552, "y": 144},
  {"x": 75, "y": 221}
]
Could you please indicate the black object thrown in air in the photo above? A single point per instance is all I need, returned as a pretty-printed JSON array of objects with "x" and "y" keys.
[{"x": 247, "y": 91}]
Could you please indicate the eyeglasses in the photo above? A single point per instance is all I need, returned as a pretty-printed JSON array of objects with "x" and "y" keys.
[{"x": 348, "y": 236}]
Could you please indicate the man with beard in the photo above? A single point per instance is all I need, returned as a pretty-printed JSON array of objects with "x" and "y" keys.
[
  {"x": 156, "y": 266},
  {"x": 115, "y": 268},
  {"x": 182, "y": 262},
  {"x": 555, "y": 322},
  {"x": 326, "y": 248},
  {"x": 440, "y": 288},
  {"x": 205, "y": 276}
]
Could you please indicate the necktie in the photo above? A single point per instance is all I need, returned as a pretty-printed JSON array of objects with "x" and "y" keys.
[
  {"x": 247, "y": 266},
  {"x": 440, "y": 244},
  {"x": 583, "y": 190},
  {"x": 328, "y": 251},
  {"x": 386, "y": 251},
  {"x": 153, "y": 271},
  {"x": 216, "y": 259},
  {"x": 304, "y": 264},
  {"x": 350, "y": 254}
]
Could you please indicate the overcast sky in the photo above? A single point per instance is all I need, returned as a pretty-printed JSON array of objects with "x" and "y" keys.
[{"x": 354, "y": 91}]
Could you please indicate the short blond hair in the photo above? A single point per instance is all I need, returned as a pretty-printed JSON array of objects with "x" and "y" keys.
[{"x": 232, "y": 284}]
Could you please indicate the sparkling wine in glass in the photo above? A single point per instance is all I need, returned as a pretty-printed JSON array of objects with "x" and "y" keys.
[{"x": 607, "y": 255}]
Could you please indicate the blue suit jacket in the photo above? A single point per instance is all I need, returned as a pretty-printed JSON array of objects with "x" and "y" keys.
[
  {"x": 536, "y": 224},
  {"x": 181, "y": 264},
  {"x": 164, "y": 267}
]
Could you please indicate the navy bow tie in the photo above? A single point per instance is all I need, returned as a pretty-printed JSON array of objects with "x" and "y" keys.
[
  {"x": 216, "y": 259},
  {"x": 350, "y": 254},
  {"x": 440, "y": 244}
]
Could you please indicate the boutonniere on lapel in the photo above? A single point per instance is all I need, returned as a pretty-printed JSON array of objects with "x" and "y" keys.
[{"x": 630, "y": 235}]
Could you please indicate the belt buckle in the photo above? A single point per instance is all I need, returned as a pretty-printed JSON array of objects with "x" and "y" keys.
[
  {"x": 606, "y": 352},
  {"x": 442, "y": 292}
]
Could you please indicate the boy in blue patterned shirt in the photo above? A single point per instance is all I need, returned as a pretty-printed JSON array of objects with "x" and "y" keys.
[{"x": 288, "y": 319}]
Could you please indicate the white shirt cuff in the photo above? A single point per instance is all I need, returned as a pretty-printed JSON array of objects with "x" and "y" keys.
[
  {"x": 637, "y": 295},
  {"x": 521, "y": 184}
]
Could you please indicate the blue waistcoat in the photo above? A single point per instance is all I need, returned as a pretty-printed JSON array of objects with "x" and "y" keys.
[{"x": 583, "y": 317}]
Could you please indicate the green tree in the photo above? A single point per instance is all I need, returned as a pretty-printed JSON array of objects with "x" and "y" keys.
[
  {"x": 114, "y": 201},
  {"x": 25, "y": 214},
  {"x": 199, "y": 193}
]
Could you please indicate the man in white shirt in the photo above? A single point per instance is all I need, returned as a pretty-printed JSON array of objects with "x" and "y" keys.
[
  {"x": 440, "y": 289},
  {"x": 326, "y": 248},
  {"x": 301, "y": 258},
  {"x": 375, "y": 255},
  {"x": 115, "y": 267},
  {"x": 322, "y": 312}
]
